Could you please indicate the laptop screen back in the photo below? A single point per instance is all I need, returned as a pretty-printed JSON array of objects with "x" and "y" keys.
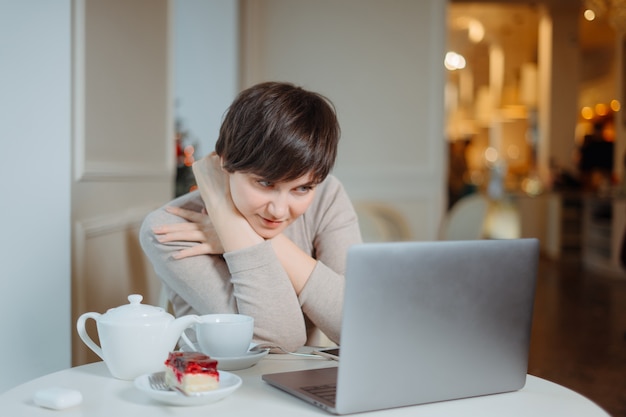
[{"x": 432, "y": 321}]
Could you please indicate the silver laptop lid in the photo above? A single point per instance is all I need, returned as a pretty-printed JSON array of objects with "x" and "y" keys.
[{"x": 432, "y": 321}]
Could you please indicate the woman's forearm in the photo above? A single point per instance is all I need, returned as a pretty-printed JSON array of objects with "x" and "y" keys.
[
  {"x": 297, "y": 264},
  {"x": 234, "y": 231},
  {"x": 263, "y": 290}
]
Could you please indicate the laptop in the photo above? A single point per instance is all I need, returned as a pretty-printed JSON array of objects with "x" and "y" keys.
[{"x": 426, "y": 322}]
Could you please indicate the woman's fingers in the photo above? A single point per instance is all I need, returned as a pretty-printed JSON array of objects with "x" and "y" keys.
[
  {"x": 182, "y": 236},
  {"x": 190, "y": 215},
  {"x": 196, "y": 223},
  {"x": 201, "y": 249},
  {"x": 177, "y": 227}
]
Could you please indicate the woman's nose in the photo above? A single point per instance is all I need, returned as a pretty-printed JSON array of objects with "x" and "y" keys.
[{"x": 278, "y": 207}]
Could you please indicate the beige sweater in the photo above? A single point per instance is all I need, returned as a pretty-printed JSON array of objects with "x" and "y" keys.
[{"x": 252, "y": 281}]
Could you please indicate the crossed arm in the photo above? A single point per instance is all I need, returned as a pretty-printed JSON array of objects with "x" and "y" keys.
[
  {"x": 220, "y": 228},
  {"x": 189, "y": 255}
]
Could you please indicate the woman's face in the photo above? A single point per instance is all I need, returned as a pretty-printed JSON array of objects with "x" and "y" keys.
[{"x": 270, "y": 207}]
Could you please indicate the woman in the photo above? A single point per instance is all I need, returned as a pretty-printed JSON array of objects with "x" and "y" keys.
[{"x": 267, "y": 231}]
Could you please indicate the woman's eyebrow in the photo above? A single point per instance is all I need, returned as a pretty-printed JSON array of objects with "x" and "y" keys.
[{"x": 310, "y": 184}]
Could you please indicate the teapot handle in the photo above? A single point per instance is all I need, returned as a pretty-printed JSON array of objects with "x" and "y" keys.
[{"x": 82, "y": 332}]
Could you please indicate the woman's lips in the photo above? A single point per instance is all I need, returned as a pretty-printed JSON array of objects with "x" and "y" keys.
[{"x": 271, "y": 223}]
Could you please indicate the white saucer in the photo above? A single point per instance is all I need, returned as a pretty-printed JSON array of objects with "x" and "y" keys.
[
  {"x": 228, "y": 384},
  {"x": 240, "y": 362},
  {"x": 235, "y": 363}
]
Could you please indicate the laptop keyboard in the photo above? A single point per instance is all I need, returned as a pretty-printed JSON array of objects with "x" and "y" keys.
[{"x": 326, "y": 392}]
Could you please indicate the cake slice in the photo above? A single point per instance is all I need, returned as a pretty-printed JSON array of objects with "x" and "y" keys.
[{"x": 191, "y": 372}]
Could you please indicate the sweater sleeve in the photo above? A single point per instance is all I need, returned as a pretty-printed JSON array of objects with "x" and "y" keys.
[
  {"x": 248, "y": 281},
  {"x": 252, "y": 281},
  {"x": 336, "y": 229},
  {"x": 197, "y": 285},
  {"x": 263, "y": 290}
]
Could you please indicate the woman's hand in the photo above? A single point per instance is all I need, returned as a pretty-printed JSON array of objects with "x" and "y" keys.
[
  {"x": 198, "y": 228},
  {"x": 232, "y": 228},
  {"x": 213, "y": 184}
]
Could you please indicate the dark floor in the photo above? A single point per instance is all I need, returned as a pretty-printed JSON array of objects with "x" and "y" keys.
[{"x": 579, "y": 333}]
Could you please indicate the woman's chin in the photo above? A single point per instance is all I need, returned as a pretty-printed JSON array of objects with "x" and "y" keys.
[{"x": 266, "y": 233}]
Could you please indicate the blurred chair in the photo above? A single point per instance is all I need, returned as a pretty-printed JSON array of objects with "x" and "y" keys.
[
  {"x": 503, "y": 220},
  {"x": 466, "y": 219},
  {"x": 380, "y": 222}
]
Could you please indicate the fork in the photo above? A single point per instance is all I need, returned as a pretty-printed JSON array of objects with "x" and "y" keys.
[{"x": 157, "y": 382}]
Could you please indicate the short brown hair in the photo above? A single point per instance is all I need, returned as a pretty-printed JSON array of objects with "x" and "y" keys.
[{"x": 279, "y": 132}]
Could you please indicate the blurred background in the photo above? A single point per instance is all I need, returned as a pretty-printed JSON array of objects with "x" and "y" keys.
[{"x": 495, "y": 119}]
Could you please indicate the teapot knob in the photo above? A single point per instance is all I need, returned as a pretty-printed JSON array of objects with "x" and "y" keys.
[{"x": 135, "y": 298}]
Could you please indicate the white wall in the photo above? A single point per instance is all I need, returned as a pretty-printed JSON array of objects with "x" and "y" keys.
[
  {"x": 205, "y": 66},
  {"x": 35, "y": 187}
]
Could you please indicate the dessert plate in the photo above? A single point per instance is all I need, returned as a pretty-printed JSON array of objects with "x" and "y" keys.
[
  {"x": 228, "y": 384},
  {"x": 235, "y": 363}
]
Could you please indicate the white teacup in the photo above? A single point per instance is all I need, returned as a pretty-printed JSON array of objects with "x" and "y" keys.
[{"x": 223, "y": 335}]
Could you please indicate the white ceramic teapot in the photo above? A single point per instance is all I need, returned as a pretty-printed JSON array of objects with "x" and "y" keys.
[{"x": 135, "y": 338}]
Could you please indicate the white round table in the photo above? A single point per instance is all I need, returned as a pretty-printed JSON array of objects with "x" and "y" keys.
[{"x": 106, "y": 396}]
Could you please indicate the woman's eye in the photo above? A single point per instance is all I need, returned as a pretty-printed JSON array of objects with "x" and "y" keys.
[
  {"x": 264, "y": 183},
  {"x": 304, "y": 189}
]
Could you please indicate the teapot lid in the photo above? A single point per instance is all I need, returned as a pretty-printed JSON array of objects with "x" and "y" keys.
[{"x": 136, "y": 312}]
